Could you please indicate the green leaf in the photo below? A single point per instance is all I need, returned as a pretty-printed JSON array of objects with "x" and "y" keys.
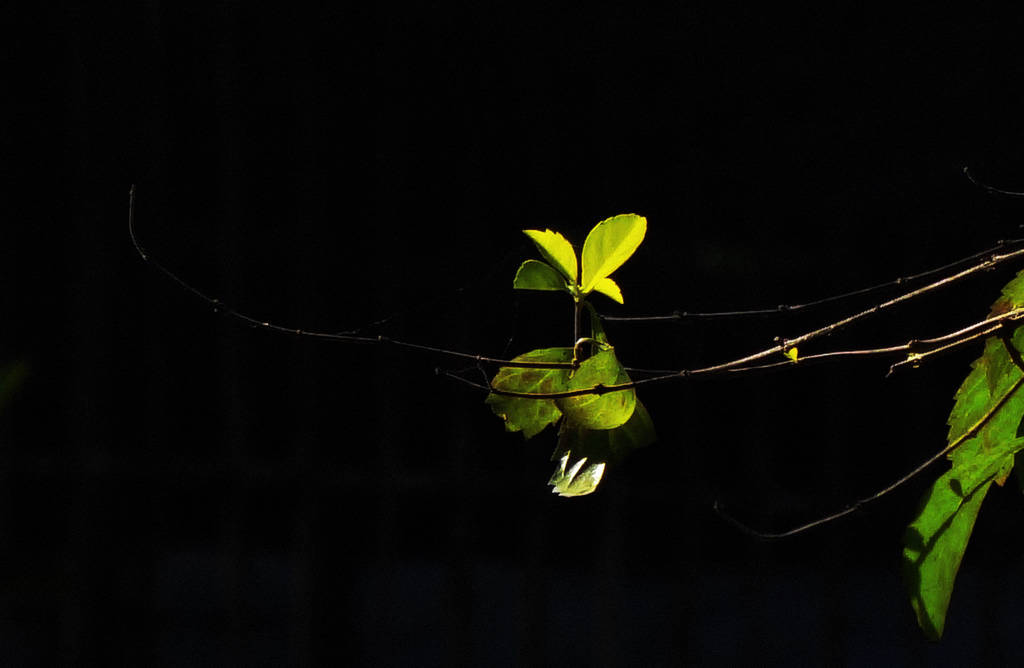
[
  {"x": 599, "y": 411},
  {"x": 608, "y": 245},
  {"x": 986, "y": 424},
  {"x": 530, "y": 416},
  {"x": 557, "y": 251},
  {"x": 537, "y": 275},
  {"x": 1012, "y": 296},
  {"x": 596, "y": 328},
  {"x": 608, "y": 287},
  {"x": 1019, "y": 465},
  {"x": 933, "y": 548},
  {"x": 598, "y": 449},
  {"x": 991, "y": 376}
]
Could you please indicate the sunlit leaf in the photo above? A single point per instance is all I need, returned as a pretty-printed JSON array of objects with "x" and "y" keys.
[
  {"x": 530, "y": 416},
  {"x": 608, "y": 245},
  {"x": 608, "y": 287},
  {"x": 987, "y": 419},
  {"x": 599, "y": 411},
  {"x": 537, "y": 275},
  {"x": 557, "y": 251},
  {"x": 991, "y": 376},
  {"x": 933, "y": 548}
]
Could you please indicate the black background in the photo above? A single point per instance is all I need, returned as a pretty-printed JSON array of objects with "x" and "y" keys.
[{"x": 178, "y": 489}]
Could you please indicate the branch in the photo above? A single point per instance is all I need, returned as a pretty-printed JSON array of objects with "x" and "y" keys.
[
  {"x": 970, "y": 433},
  {"x": 786, "y": 344},
  {"x": 918, "y": 349},
  {"x": 790, "y": 308},
  {"x": 988, "y": 188},
  {"x": 219, "y": 307},
  {"x": 739, "y": 365}
]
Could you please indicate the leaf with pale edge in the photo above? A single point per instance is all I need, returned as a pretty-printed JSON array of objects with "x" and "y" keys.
[
  {"x": 557, "y": 250},
  {"x": 989, "y": 407},
  {"x": 608, "y": 245},
  {"x": 530, "y": 416},
  {"x": 591, "y": 451}
]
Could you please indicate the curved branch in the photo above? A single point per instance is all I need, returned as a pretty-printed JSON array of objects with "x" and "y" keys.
[
  {"x": 739, "y": 365},
  {"x": 988, "y": 188},
  {"x": 967, "y": 435},
  {"x": 220, "y": 307},
  {"x": 791, "y": 308}
]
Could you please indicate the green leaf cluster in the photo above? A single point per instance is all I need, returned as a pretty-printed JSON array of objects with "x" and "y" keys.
[
  {"x": 598, "y": 426},
  {"x": 985, "y": 433},
  {"x": 596, "y": 429},
  {"x": 606, "y": 248}
]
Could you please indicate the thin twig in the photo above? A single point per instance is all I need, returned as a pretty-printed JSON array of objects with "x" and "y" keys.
[
  {"x": 742, "y": 364},
  {"x": 920, "y": 349},
  {"x": 786, "y": 344},
  {"x": 967, "y": 435},
  {"x": 791, "y": 308},
  {"x": 988, "y": 188},
  {"x": 220, "y": 307}
]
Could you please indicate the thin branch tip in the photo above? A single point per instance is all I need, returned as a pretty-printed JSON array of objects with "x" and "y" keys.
[{"x": 990, "y": 189}]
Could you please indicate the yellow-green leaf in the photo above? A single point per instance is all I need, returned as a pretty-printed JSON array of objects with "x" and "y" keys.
[
  {"x": 608, "y": 287},
  {"x": 557, "y": 250},
  {"x": 537, "y": 275},
  {"x": 608, "y": 245}
]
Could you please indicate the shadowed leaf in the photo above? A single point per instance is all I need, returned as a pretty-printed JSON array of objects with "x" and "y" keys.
[
  {"x": 933, "y": 548},
  {"x": 530, "y": 416},
  {"x": 596, "y": 449},
  {"x": 599, "y": 411}
]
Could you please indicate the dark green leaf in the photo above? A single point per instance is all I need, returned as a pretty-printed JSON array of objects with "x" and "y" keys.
[
  {"x": 599, "y": 411},
  {"x": 933, "y": 548},
  {"x": 985, "y": 427},
  {"x": 530, "y": 415}
]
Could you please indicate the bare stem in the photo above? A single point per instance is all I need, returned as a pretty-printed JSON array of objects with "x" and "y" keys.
[{"x": 953, "y": 445}]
